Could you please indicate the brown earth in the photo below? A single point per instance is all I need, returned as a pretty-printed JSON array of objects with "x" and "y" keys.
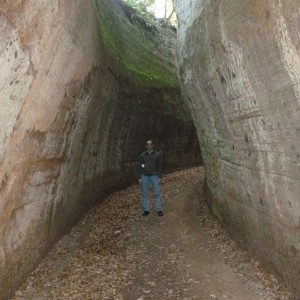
[{"x": 115, "y": 253}]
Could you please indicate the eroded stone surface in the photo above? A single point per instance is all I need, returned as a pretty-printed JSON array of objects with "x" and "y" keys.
[
  {"x": 239, "y": 66},
  {"x": 72, "y": 123},
  {"x": 14, "y": 80}
]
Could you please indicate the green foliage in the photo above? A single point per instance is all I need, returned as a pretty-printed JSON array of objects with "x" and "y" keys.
[
  {"x": 145, "y": 8},
  {"x": 142, "y": 9},
  {"x": 140, "y": 5}
]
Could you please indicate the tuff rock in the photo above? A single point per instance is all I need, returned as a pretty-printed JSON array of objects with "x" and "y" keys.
[
  {"x": 75, "y": 114},
  {"x": 239, "y": 64}
]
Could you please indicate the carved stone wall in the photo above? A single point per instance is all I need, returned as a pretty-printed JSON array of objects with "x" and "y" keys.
[
  {"x": 239, "y": 64},
  {"x": 73, "y": 120}
]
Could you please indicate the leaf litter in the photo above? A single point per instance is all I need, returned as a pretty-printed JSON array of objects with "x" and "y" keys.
[{"x": 115, "y": 253}]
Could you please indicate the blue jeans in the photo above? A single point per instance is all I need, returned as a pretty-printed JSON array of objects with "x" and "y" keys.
[{"x": 146, "y": 180}]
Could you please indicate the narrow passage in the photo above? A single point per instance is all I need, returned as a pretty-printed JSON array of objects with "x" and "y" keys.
[{"x": 115, "y": 253}]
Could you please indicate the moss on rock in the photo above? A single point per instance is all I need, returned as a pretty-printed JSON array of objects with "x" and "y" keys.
[{"x": 143, "y": 47}]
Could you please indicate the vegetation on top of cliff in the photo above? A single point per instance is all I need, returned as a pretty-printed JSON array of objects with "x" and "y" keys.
[
  {"x": 139, "y": 42},
  {"x": 162, "y": 9},
  {"x": 140, "y": 5}
]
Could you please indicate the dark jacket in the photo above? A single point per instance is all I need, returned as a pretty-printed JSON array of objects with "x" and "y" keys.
[{"x": 151, "y": 164}]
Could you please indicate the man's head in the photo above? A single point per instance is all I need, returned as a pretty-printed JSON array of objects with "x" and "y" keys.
[{"x": 149, "y": 145}]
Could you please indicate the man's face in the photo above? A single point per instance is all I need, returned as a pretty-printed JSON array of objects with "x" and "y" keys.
[{"x": 149, "y": 145}]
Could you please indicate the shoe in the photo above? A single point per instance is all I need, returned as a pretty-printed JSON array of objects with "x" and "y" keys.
[
  {"x": 160, "y": 213},
  {"x": 146, "y": 213}
]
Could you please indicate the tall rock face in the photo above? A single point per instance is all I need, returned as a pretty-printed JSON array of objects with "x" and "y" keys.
[
  {"x": 75, "y": 113},
  {"x": 239, "y": 63}
]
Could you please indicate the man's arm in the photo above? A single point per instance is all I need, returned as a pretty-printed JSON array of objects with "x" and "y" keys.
[
  {"x": 160, "y": 165},
  {"x": 140, "y": 167}
]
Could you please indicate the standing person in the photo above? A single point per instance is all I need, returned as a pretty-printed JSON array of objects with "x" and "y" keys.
[{"x": 151, "y": 173}]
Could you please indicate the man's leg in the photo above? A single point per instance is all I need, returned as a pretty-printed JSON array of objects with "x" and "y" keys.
[
  {"x": 156, "y": 190},
  {"x": 145, "y": 192}
]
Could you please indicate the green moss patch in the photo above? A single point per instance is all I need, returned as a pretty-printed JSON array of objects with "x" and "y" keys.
[{"x": 143, "y": 47}]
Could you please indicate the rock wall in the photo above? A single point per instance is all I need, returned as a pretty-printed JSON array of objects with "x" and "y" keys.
[
  {"x": 73, "y": 120},
  {"x": 239, "y": 63}
]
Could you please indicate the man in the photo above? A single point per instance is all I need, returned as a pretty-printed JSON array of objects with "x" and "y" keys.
[{"x": 151, "y": 173}]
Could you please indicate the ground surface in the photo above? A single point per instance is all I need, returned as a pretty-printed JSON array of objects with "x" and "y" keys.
[{"x": 115, "y": 253}]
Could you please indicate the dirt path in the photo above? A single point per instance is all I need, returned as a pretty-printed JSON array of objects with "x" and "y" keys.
[{"x": 115, "y": 253}]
